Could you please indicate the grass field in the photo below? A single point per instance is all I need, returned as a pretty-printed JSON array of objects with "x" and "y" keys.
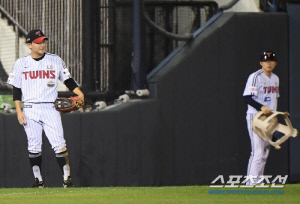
[{"x": 185, "y": 194}]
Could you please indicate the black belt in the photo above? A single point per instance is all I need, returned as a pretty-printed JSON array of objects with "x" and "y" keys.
[{"x": 38, "y": 102}]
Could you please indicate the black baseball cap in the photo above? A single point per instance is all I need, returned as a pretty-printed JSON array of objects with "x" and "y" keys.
[
  {"x": 268, "y": 56},
  {"x": 35, "y": 36}
]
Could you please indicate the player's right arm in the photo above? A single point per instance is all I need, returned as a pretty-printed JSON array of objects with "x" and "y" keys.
[
  {"x": 15, "y": 79},
  {"x": 250, "y": 101},
  {"x": 251, "y": 90},
  {"x": 20, "y": 114},
  {"x": 17, "y": 95}
]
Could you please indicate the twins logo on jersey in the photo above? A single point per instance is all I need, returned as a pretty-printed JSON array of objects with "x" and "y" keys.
[
  {"x": 41, "y": 74},
  {"x": 271, "y": 89}
]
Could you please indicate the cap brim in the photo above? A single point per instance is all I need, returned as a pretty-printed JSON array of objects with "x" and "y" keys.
[{"x": 40, "y": 39}]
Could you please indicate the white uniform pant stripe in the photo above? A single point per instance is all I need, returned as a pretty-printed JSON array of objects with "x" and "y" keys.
[{"x": 259, "y": 152}]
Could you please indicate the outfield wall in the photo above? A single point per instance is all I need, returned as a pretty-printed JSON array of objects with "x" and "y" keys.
[
  {"x": 192, "y": 131},
  {"x": 114, "y": 147},
  {"x": 294, "y": 60},
  {"x": 201, "y": 90}
]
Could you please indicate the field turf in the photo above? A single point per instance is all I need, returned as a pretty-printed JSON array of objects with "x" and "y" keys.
[{"x": 183, "y": 194}]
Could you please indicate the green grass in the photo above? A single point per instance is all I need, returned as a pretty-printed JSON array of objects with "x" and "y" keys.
[{"x": 184, "y": 194}]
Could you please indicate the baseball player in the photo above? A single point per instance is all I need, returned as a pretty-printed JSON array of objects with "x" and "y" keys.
[
  {"x": 35, "y": 79},
  {"x": 261, "y": 94}
]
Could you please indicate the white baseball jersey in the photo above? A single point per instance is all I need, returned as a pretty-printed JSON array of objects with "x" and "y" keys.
[
  {"x": 264, "y": 90},
  {"x": 38, "y": 79}
]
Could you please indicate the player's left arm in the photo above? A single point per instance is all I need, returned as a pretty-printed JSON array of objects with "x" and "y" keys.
[
  {"x": 79, "y": 93},
  {"x": 66, "y": 78},
  {"x": 72, "y": 86}
]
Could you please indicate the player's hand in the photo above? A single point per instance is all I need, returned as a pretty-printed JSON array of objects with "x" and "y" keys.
[
  {"x": 81, "y": 96},
  {"x": 21, "y": 118},
  {"x": 266, "y": 109},
  {"x": 79, "y": 93}
]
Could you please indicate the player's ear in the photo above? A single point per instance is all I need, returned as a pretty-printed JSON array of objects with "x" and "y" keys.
[
  {"x": 260, "y": 63},
  {"x": 29, "y": 45}
]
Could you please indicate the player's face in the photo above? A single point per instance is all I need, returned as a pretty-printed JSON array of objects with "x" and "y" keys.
[
  {"x": 37, "y": 49},
  {"x": 268, "y": 66}
]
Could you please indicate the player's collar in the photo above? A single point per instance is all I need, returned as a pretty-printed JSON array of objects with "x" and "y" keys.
[{"x": 38, "y": 59}]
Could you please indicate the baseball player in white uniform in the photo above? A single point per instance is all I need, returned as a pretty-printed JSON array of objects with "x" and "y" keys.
[
  {"x": 35, "y": 79},
  {"x": 261, "y": 94}
]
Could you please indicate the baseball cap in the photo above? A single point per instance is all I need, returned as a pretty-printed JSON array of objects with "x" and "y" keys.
[
  {"x": 35, "y": 36},
  {"x": 268, "y": 56}
]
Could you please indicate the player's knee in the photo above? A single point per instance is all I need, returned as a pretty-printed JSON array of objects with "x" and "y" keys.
[
  {"x": 60, "y": 149},
  {"x": 34, "y": 155},
  {"x": 62, "y": 152}
]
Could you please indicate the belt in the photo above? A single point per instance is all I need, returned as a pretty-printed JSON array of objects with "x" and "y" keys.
[{"x": 38, "y": 102}]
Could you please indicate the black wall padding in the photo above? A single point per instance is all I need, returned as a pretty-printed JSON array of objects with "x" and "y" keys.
[
  {"x": 17, "y": 170},
  {"x": 120, "y": 146},
  {"x": 294, "y": 45},
  {"x": 2, "y": 152},
  {"x": 201, "y": 90}
]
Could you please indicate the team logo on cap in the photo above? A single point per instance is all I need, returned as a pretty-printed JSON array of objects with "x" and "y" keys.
[
  {"x": 269, "y": 54},
  {"x": 38, "y": 33}
]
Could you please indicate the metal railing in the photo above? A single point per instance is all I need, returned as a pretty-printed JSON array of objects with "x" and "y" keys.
[
  {"x": 176, "y": 17},
  {"x": 62, "y": 22}
]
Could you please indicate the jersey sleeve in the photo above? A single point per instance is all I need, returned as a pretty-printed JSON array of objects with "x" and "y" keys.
[
  {"x": 15, "y": 76},
  {"x": 64, "y": 73},
  {"x": 251, "y": 86}
]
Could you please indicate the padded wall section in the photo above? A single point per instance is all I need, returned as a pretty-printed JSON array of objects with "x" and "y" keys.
[
  {"x": 18, "y": 172},
  {"x": 201, "y": 90},
  {"x": 294, "y": 43},
  {"x": 2, "y": 151},
  {"x": 119, "y": 146}
]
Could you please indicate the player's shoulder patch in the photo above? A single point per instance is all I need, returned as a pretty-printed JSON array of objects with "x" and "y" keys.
[
  {"x": 66, "y": 72},
  {"x": 252, "y": 90},
  {"x": 11, "y": 78}
]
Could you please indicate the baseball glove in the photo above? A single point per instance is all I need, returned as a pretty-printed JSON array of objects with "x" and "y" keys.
[{"x": 67, "y": 105}]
